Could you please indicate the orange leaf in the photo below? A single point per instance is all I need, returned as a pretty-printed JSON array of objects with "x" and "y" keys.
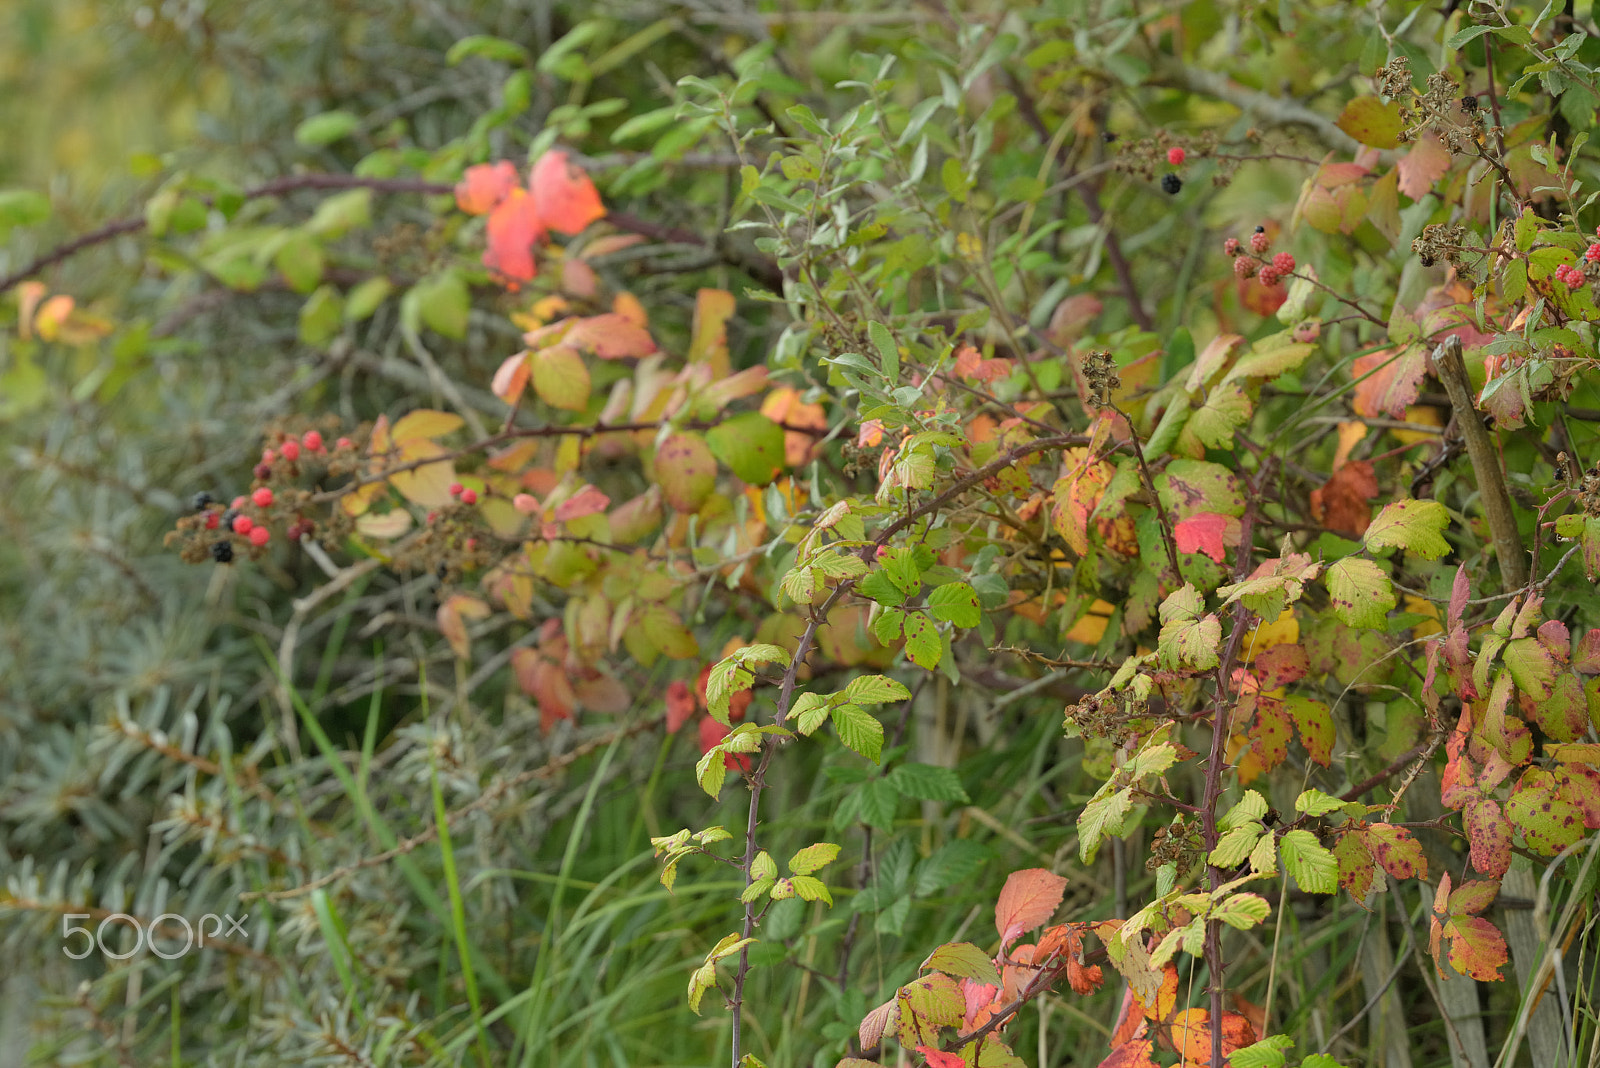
[
  {"x": 568, "y": 200},
  {"x": 1340, "y": 504},
  {"x": 484, "y": 186},
  {"x": 1207, "y": 532},
  {"x": 545, "y": 682},
  {"x": 611, "y": 336},
  {"x": 1028, "y": 899},
  {"x": 1392, "y": 385},
  {"x": 1191, "y": 1035},
  {"x": 1425, "y": 164},
  {"x": 453, "y": 614},
  {"x": 511, "y": 379},
  {"x": 514, "y": 229},
  {"x": 1132, "y": 1055}
]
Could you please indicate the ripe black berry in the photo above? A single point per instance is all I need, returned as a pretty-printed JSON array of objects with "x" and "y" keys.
[
  {"x": 199, "y": 501},
  {"x": 1171, "y": 183},
  {"x": 1107, "y": 136},
  {"x": 1261, "y": 229},
  {"x": 222, "y": 552},
  {"x": 228, "y": 517}
]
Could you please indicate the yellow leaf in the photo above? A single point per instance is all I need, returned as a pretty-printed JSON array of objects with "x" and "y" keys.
[
  {"x": 428, "y": 485},
  {"x": 1285, "y": 630},
  {"x": 425, "y": 423}
]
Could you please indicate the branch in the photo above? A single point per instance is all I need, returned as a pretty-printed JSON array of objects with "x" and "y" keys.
[
  {"x": 1485, "y": 465},
  {"x": 761, "y": 268}
]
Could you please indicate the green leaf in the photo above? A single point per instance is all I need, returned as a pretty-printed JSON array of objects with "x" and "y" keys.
[
  {"x": 859, "y": 730},
  {"x": 1310, "y": 863},
  {"x": 22, "y": 207},
  {"x": 750, "y": 445},
  {"x": 560, "y": 377},
  {"x": 810, "y": 711},
  {"x": 1268, "y": 1053},
  {"x": 710, "y": 771},
  {"x": 1317, "y": 803},
  {"x": 923, "y": 647},
  {"x": 956, "y": 603},
  {"x": 1235, "y": 845},
  {"x": 1102, "y": 817},
  {"x": 485, "y": 46},
  {"x": 1251, "y": 807},
  {"x": 875, "y": 690},
  {"x": 1242, "y": 911},
  {"x": 320, "y": 317},
  {"x": 341, "y": 213},
  {"x": 441, "y": 303},
  {"x": 1416, "y": 526},
  {"x": 927, "y": 783},
  {"x": 325, "y": 129},
  {"x": 965, "y": 960},
  {"x": 813, "y": 857},
  {"x": 810, "y": 889},
  {"x": 883, "y": 341},
  {"x": 365, "y": 298},
  {"x": 1186, "y": 639},
  {"x": 1360, "y": 591},
  {"x": 878, "y": 586},
  {"x": 299, "y": 260}
]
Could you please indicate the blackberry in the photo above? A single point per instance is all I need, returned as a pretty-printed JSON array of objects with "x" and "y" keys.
[
  {"x": 199, "y": 501},
  {"x": 228, "y": 517},
  {"x": 222, "y": 552},
  {"x": 1107, "y": 136},
  {"x": 1170, "y": 184}
]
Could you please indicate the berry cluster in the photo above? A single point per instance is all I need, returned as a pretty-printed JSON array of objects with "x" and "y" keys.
[
  {"x": 1267, "y": 273},
  {"x": 1570, "y": 275}
]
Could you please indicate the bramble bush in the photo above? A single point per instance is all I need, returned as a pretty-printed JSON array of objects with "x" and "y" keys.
[{"x": 1223, "y": 377}]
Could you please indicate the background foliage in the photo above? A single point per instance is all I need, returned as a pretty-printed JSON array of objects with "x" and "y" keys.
[{"x": 928, "y": 359}]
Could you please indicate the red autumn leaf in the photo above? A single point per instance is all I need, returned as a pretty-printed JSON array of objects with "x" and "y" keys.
[
  {"x": 545, "y": 682},
  {"x": 611, "y": 336},
  {"x": 680, "y": 705},
  {"x": 1207, "y": 532},
  {"x": 1397, "y": 850},
  {"x": 1341, "y": 502},
  {"x": 712, "y": 732},
  {"x": 1028, "y": 899},
  {"x": 514, "y": 229},
  {"x": 1489, "y": 835},
  {"x": 484, "y": 186},
  {"x": 587, "y": 501},
  {"x": 602, "y": 693},
  {"x": 1387, "y": 382},
  {"x": 1281, "y": 665},
  {"x": 567, "y": 199},
  {"x": 938, "y": 1058}
]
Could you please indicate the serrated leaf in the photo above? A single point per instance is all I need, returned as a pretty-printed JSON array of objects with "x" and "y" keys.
[
  {"x": 1100, "y": 818},
  {"x": 809, "y": 712},
  {"x": 1028, "y": 900},
  {"x": 878, "y": 586},
  {"x": 875, "y": 690},
  {"x": 1242, "y": 911},
  {"x": 813, "y": 857},
  {"x": 927, "y": 783},
  {"x": 1251, "y": 807},
  {"x": 1415, "y": 526},
  {"x": 859, "y": 730},
  {"x": 1360, "y": 592},
  {"x": 1310, "y": 863},
  {"x": 811, "y": 889},
  {"x": 957, "y": 603},
  {"x": 1317, "y": 803},
  {"x": 1235, "y": 845},
  {"x": 923, "y": 645},
  {"x": 560, "y": 377},
  {"x": 963, "y": 959}
]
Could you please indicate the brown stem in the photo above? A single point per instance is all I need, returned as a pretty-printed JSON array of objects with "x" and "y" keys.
[{"x": 1485, "y": 465}]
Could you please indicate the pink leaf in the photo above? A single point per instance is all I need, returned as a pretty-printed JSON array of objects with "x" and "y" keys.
[
  {"x": 1425, "y": 164},
  {"x": 611, "y": 336},
  {"x": 938, "y": 1058},
  {"x": 514, "y": 229},
  {"x": 586, "y": 501},
  {"x": 1207, "y": 532},
  {"x": 484, "y": 186},
  {"x": 1030, "y": 898}
]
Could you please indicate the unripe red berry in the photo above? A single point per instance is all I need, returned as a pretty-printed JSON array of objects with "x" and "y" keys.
[
  {"x": 1245, "y": 266},
  {"x": 470, "y": 544},
  {"x": 455, "y": 489},
  {"x": 262, "y": 472},
  {"x": 344, "y": 443},
  {"x": 268, "y": 456},
  {"x": 262, "y": 497},
  {"x": 212, "y": 519},
  {"x": 259, "y": 536},
  {"x": 1283, "y": 263},
  {"x": 1259, "y": 241},
  {"x": 1592, "y": 253},
  {"x": 312, "y": 440},
  {"x": 242, "y": 524},
  {"x": 239, "y": 502},
  {"x": 1232, "y": 247},
  {"x": 1267, "y": 276},
  {"x": 432, "y": 516},
  {"x": 1176, "y": 156},
  {"x": 291, "y": 451},
  {"x": 526, "y": 503},
  {"x": 469, "y": 496}
]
